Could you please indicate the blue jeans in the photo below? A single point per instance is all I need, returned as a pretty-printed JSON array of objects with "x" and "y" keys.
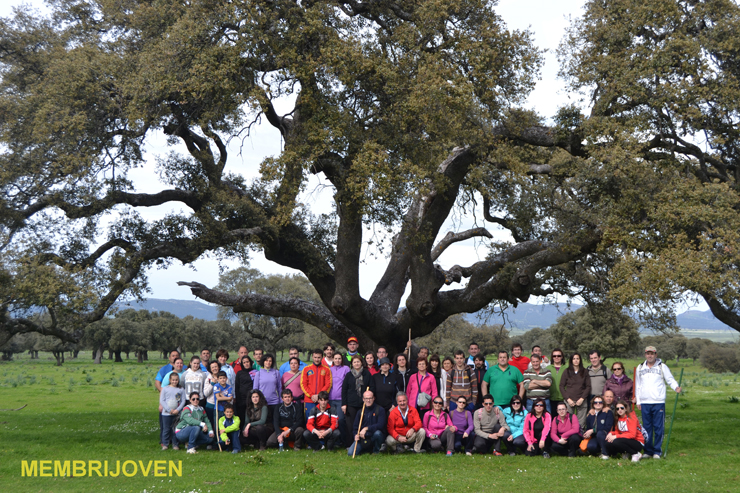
[
  {"x": 597, "y": 444},
  {"x": 653, "y": 419},
  {"x": 166, "y": 435},
  {"x": 376, "y": 441},
  {"x": 235, "y": 443},
  {"x": 466, "y": 443},
  {"x": 193, "y": 435},
  {"x": 530, "y": 403}
]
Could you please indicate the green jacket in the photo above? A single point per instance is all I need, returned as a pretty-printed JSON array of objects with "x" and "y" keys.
[
  {"x": 228, "y": 429},
  {"x": 193, "y": 416},
  {"x": 555, "y": 394}
]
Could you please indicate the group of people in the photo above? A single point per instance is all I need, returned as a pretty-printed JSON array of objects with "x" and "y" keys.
[{"x": 417, "y": 402}]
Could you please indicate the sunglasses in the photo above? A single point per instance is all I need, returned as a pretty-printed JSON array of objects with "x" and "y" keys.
[
  {"x": 539, "y": 405},
  {"x": 437, "y": 403},
  {"x": 598, "y": 402},
  {"x": 488, "y": 403},
  {"x": 516, "y": 402},
  {"x": 620, "y": 408},
  {"x": 557, "y": 355},
  {"x": 194, "y": 398},
  {"x": 615, "y": 369}
]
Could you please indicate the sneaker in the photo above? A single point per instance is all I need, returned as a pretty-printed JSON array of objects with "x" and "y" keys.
[
  {"x": 512, "y": 454},
  {"x": 646, "y": 456},
  {"x": 296, "y": 449},
  {"x": 605, "y": 457},
  {"x": 192, "y": 451},
  {"x": 422, "y": 451},
  {"x": 399, "y": 449},
  {"x": 449, "y": 454},
  {"x": 468, "y": 453},
  {"x": 383, "y": 448},
  {"x": 497, "y": 453},
  {"x": 656, "y": 456},
  {"x": 571, "y": 455},
  {"x": 210, "y": 447},
  {"x": 234, "y": 451},
  {"x": 164, "y": 447},
  {"x": 637, "y": 457},
  {"x": 175, "y": 447},
  {"x": 545, "y": 455}
]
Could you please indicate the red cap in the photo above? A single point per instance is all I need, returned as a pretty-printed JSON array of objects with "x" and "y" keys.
[{"x": 352, "y": 339}]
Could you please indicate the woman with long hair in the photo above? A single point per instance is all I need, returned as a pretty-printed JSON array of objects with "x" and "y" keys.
[
  {"x": 243, "y": 387},
  {"x": 447, "y": 365},
  {"x": 258, "y": 427},
  {"x": 599, "y": 423},
  {"x": 267, "y": 380},
  {"x": 435, "y": 368},
  {"x": 464, "y": 424},
  {"x": 537, "y": 430},
  {"x": 291, "y": 379},
  {"x": 338, "y": 371},
  {"x": 626, "y": 436},
  {"x": 515, "y": 415},
  {"x": 371, "y": 363},
  {"x": 211, "y": 379},
  {"x": 575, "y": 386},
  {"x": 440, "y": 430}
]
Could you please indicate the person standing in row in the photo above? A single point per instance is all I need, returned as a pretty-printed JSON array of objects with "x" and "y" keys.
[
  {"x": 557, "y": 369},
  {"x": 267, "y": 381},
  {"x": 285, "y": 367},
  {"x": 385, "y": 385},
  {"x": 461, "y": 382},
  {"x": 501, "y": 380},
  {"x": 650, "y": 392},
  {"x": 315, "y": 378},
  {"x": 576, "y": 387},
  {"x": 402, "y": 373},
  {"x": 537, "y": 382},
  {"x": 619, "y": 383},
  {"x": 291, "y": 379},
  {"x": 598, "y": 373},
  {"x": 422, "y": 389}
]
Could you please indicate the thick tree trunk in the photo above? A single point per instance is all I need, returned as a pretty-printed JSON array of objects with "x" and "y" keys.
[
  {"x": 117, "y": 355},
  {"x": 98, "y": 359},
  {"x": 110, "y": 354},
  {"x": 75, "y": 353},
  {"x": 127, "y": 354},
  {"x": 139, "y": 356},
  {"x": 59, "y": 355},
  {"x": 146, "y": 355}
]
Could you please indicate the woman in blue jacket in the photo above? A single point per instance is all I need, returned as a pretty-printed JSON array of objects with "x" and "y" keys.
[
  {"x": 598, "y": 425},
  {"x": 515, "y": 415}
]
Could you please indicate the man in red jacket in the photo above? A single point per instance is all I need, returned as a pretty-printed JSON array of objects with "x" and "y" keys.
[
  {"x": 322, "y": 425},
  {"x": 315, "y": 378},
  {"x": 404, "y": 427}
]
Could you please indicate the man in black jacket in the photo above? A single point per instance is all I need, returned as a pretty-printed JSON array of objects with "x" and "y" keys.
[
  {"x": 288, "y": 422},
  {"x": 370, "y": 433}
]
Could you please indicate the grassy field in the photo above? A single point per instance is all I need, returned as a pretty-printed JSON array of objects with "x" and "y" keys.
[{"x": 107, "y": 412}]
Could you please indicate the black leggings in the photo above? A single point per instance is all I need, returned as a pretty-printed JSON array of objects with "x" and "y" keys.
[
  {"x": 350, "y": 421},
  {"x": 569, "y": 448},
  {"x": 629, "y": 445},
  {"x": 258, "y": 436}
]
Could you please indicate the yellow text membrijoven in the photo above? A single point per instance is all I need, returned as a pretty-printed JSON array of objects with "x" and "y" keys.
[{"x": 80, "y": 468}]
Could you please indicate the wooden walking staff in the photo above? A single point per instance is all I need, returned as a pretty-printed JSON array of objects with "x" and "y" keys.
[
  {"x": 408, "y": 363},
  {"x": 359, "y": 427},
  {"x": 218, "y": 431}
]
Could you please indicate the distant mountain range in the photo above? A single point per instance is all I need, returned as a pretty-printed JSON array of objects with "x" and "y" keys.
[{"x": 526, "y": 316}]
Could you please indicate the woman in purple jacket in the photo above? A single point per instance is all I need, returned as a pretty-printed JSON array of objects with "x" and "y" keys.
[
  {"x": 338, "y": 372},
  {"x": 267, "y": 381},
  {"x": 462, "y": 419},
  {"x": 565, "y": 432},
  {"x": 620, "y": 383}
]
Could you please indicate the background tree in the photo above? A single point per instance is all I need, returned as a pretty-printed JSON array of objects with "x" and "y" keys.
[
  {"x": 720, "y": 359},
  {"x": 537, "y": 336},
  {"x": 695, "y": 346},
  {"x": 603, "y": 328},
  {"x": 407, "y": 113},
  {"x": 668, "y": 346}
]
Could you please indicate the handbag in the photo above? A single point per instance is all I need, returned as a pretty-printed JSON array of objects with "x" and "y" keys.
[
  {"x": 422, "y": 399},
  {"x": 584, "y": 443}
]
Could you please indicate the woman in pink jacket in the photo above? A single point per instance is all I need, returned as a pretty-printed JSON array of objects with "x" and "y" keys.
[
  {"x": 565, "y": 432},
  {"x": 439, "y": 427},
  {"x": 421, "y": 381},
  {"x": 537, "y": 430}
]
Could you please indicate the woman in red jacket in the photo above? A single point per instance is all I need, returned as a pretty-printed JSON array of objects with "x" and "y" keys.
[{"x": 626, "y": 436}]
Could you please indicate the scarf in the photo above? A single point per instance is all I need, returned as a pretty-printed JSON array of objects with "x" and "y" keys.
[{"x": 358, "y": 381}]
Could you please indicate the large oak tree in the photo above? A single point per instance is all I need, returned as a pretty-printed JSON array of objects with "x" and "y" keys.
[{"x": 411, "y": 111}]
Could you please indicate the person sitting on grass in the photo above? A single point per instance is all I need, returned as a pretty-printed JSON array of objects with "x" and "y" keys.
[
  {"x": 462, "y": 419},
  {"x": 228, "y": 427},
  {"x": 598, "y": 424},
  {"x": 369, "y": 433},
  {"x": 171, "y": 400},
  {"x": 626, "y": 436},
  {"x": 537, "y": 430},
  {"x": 490, "y": 426},
  {"x": 194, "y": 427},
  {"x": 515, "y": 415},
  {"x": 322, "y": 424},
  {"x": 438, "y": 427},
  {"x": 565, "y": 432},
  {"x": 404, "y": 427},
  {"x": 287, "y": 421},
  {"x": 257, "y": 428}
]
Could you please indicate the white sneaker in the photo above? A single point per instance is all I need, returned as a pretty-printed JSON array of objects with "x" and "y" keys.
[
  {"x": 605, "y": 457},
  {"x": 192, "y": 451},
  {"x": 646, "y": 456},
  {"x": 656, "y": 456},
  {"x": 636, "y": 457}
]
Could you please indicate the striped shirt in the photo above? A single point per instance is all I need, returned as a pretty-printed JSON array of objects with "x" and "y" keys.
[{"x": 529, "y": 376}]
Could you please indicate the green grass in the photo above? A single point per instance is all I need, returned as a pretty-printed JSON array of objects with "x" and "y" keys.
[{"x": 108, "y": 412}]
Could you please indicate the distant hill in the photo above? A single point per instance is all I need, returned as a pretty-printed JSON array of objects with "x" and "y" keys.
[
  {"x": 526, "y": 316},
  {"x": 180, "y": 308}
]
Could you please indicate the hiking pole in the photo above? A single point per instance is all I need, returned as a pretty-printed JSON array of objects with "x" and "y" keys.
[
  {"x": 359, "y": 427},
  {"x": 675, "y": 404},
  {"x": 218, "y": 432},
  {"x": 408, "y": 363}
]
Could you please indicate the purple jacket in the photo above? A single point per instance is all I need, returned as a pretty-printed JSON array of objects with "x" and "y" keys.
[
  {"x": 559, "y": 429},
  {"x": 622, "y": 389},
  {"x": 463, "y": 421},
  {"x": 337, "y": 377},
  {"x": 268, "y": 381}
]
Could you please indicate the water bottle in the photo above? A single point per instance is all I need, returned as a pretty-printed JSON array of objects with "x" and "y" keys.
[{"x": 281, "y": 448}]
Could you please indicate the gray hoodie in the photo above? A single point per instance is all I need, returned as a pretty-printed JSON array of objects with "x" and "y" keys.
[{"x": 172, "y": 398}]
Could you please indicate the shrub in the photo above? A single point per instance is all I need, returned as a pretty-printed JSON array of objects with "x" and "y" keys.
[{"x": 719, "y": 359}]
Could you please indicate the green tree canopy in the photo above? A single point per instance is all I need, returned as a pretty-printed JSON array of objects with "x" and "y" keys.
[{"x": 410, "y": 112}]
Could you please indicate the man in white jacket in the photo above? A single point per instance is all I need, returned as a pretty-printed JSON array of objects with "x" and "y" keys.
[{"x": 650, "y": 380}]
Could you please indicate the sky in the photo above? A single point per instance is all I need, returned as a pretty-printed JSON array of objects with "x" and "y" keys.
[{"x": 546, "y": 19}]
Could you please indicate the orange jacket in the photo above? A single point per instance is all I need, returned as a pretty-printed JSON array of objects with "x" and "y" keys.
[
  {"x": 396, "y": 427},
  {"x": 314, "y": 379},
  {"x": 628, "y": 427}
]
